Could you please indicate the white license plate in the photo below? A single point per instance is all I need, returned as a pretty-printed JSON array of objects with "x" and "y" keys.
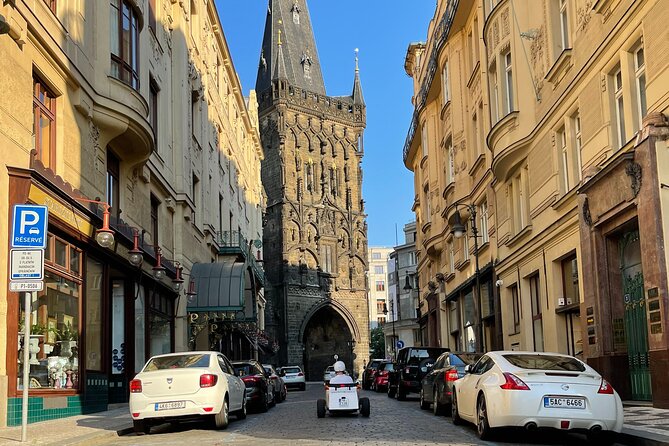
[
  {"x": 171, "y": 405},
  {"x": 554, "y": 402},
  {"x": 343, "y": 402}
]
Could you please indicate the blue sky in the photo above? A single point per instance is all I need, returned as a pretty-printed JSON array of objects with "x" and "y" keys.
[{"x": 382, "y": 30}]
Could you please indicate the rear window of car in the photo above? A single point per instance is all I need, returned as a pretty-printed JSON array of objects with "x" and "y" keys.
[
  {"x": 388, "y": 366},
  {"x": 244, "y": 369},
  {"x": 374, "y": 364},
  {"x": 330, "y": 369},
  {"x": 546, "y": 362},
  {"x": 291, "y": 370},
  {"x": 416, "y": 355},
  {"x": 177, "y": 362}
]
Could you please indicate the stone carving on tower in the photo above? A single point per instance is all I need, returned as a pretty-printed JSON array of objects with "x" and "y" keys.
[{"x": 315, "y": 236}]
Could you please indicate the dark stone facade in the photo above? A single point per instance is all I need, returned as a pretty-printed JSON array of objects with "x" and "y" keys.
[{"x": 315, "y": 234}]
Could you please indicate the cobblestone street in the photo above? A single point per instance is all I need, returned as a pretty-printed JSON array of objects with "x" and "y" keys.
[{"x": 294, "y": 422}]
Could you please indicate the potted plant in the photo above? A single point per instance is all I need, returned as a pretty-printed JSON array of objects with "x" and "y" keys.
[{"x": 68, "y": 339}]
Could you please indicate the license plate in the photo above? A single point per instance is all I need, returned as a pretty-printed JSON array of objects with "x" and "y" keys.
[
  {"x": 171, "y": 405},
  {"x": 343, "y": 402},
  {"x": 564, "y": 403}
]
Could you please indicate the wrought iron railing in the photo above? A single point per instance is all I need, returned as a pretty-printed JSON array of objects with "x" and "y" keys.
[{"x": 234, "y": 242}]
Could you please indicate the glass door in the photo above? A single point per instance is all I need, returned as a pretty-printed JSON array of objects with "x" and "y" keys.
[{"x": 118, "y": 383}]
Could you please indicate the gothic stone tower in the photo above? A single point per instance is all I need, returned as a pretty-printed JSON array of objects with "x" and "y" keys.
[{"x": 315, "y": 234}]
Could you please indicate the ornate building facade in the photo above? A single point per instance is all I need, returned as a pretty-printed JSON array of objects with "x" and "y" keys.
[
  {"x": 137, "y": 103},
  {"x": 315, "y": 234}
]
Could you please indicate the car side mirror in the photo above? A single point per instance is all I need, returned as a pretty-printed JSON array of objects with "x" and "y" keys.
[
  {"x": 468, "y": 368},
  {"x": 424, "y": 369}
]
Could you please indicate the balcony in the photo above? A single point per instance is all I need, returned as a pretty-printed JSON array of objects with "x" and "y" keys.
[{"x": 233, "y": 243}]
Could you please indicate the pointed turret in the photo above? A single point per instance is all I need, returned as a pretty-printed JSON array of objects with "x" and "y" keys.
[
  {"x": 297, "y": 51},
  {"x": 358, "y": 99}
]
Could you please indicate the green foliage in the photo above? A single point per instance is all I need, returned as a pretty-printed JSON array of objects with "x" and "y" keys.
[
  {"x": 377, "y": 344},
  {"x": 68, "y": 333}
]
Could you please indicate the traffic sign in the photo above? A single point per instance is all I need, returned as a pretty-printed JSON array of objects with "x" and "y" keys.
[
  {"x": 400, "y": 344},
  {"x": 26, "y": 286},
  {"x": 27, "y": 264},
  {"x": 29, "y": 226}
]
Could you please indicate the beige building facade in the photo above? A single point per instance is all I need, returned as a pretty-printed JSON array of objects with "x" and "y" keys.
[
  {"x": 577, "y": 104},
  {"x": 377, "y": 298},
  {"x": 135, "y": 104}
]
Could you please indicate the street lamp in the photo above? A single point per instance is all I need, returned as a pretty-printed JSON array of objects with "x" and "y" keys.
[
  {"x": 392, "y": 315},
  {"x": 459, "y": 230}
]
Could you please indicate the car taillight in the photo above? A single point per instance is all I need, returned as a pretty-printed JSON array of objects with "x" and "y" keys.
[
  {"x": 274, "y": 378},
  {"x": 513, "y": 382},
  {"x": 300, "y": 374},
  {"x": 605, "y": 388},
  {"x": 451, "y": 375},
  {"x": 136, "y": 386},
  {"x": 208, "y": 380},
  {"x": 384, "y": 373}
]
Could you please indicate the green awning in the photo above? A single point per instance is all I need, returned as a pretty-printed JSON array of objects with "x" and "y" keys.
[{"x": 219, "y": 286}]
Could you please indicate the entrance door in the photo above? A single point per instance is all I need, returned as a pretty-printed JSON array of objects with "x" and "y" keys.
[
  {"x": 636, "y": 327},
  {"x": 118, "y": 384}
]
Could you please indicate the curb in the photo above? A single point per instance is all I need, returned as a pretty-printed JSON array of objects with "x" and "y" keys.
[
  {"x": 96, "y": 437},
  {"x": 632, "y": 437}
]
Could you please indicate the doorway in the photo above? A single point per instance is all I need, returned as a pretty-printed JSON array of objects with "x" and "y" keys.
[{"x": 326, "y": 335}]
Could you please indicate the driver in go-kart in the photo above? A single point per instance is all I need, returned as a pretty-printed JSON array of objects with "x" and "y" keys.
[{"x": 340, "y": 376}]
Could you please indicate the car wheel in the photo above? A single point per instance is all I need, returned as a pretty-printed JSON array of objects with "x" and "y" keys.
[
  {"x": 364, "y": 407},
  {"x": 437, "y": 409},
  {"x": 455, "y": 415},
  {"x": 284, "y": 394},
  {"x": 303, "y": 387},
  {"x": 222, "y": 419},
  {"x": 141, "y": 427},
  {"x": 320, "y": 408},
  {"x": 482, "y": 426},
  {"x": 601, "y": 438},
  {"x": 423, "y": 404},
  {"x": 401, "y": 394},
  {"x": 264, "y": 405},
  {"x": 391, "y": 391},
  {"x": 272, "y": 401},
  {"x": 242, "y": 412}
]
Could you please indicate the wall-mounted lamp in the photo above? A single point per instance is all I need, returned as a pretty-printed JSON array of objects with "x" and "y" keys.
[
  {"x": 135, "y": 255},
  {"x": 178, "y": 280},
  {"x": 159, "y": 269},
  {"x": 104, "y": 236},
  {"x": 191, "y": 293}
]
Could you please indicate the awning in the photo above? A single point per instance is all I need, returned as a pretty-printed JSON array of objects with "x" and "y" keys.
[{"x": 219, "y": 286}]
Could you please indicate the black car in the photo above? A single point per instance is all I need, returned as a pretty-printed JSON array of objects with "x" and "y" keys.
[
  {"x": 412, "y": 364},
  {"x": 368, "y": 373},
  {"x": 259, "y": 388},
  {"x": 437, "y": 386}
]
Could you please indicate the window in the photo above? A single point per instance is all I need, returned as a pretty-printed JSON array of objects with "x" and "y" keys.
[
  {"x": 569, "y": 267},
  {"x": 424, "y": 139},
  {"x": 537, "y": 323},
  {"x": 469, "y": 322},
  {"x": 376, "y": 255},
  {"x": 154, "y": 219},
  {"x": 483, "y": 215},
  {"x": 113, "y": 189},
  {"x": 451, "y": 257},
  {"x": 379, "y": 306},
  {"x": 491, "y": 5},
  {"x": 153, "y": 109},
  {"x": 518, "y": 195},
  {"x": 453, "y": 318},
  {"x": 428, "y": 208},
  {"x": 619, "y": 107},
  {"x": 379, "y": 269},
  {"x": 640, "y": 76},
  {"x": 194, "y": 22},
  {"x": 578, "y": 142},
  {"x": 51, "y": 4},
  {"x": 449, "y": 166},
  {"x": 564, "y": 25},
  {"x": 494, "y": 95},
  {"x": 475, "y": 135},
  {"x": 124, "y": 42},
  {"x": 334, "y": 189},
  {"x": 93, "y": 322},
  {"x": 380, "y": 285},
  {"x": 44, "y": 123},
  {"x": 327, "y": 259},
  {"x": 561, "y": 139},
  {"x": 445, "y": 87},
  {"x": 508, "y": 84},
  {"x": 152, "y": 16},
  {"x": 515, "y": 306},
  {"x": 195, "y": 116},
  {"x": 309, "y": 175},
  {"x": 470, "y": 52},
  {"x": 196, "y": 198},
  {"x": 161, "y": 320},
  {"x": 481, "y": 130},
  {"x": 465, "y": 244}
]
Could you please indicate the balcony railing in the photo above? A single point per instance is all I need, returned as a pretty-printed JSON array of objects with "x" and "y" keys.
[
  {"x": 439, "y": 37},
  {"x": 234, "y": 242}
]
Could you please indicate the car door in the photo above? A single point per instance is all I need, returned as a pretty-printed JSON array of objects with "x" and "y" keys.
[
  {"x": 430, "y": 378},
  {"x": 235, "y": 385},
  {"x": 468, "y": 386},
  {"x": 269, "y": 393}
]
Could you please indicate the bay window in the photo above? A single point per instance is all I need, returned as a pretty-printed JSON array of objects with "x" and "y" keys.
[{"x": 124, "y": 28}]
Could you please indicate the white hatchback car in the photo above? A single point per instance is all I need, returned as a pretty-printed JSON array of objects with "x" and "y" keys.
[
  {"x": 329, "y": 374},
  {"x": 537, "y": 390},
  {"x": 293, "y": 376},
  {"x": 186, "y": 385}
]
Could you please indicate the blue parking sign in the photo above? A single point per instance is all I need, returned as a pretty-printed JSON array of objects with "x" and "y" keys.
[{"x": 29, "y": 226}]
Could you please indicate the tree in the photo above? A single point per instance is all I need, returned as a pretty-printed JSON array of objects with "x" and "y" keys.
[{"x": 377, "y": 344}]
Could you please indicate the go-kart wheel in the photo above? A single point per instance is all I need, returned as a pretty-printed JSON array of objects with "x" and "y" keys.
[
  {"x": 320, "y": 408},
  {"x": 364, "y": 407}
]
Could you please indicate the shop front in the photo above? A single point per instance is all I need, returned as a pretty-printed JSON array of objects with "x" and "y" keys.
[{"x": 97, "y": 319}]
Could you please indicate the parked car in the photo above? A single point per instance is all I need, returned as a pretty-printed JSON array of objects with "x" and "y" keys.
[
  {"x": 437, "y": 386},
  {"x": 278, "y": 385},
  {"x": 368, "y": 373},
  {"x": 259, "y": 388},
  {"x": 293, "y": 376},
  {"x": 181, "y": 386},
  {"x": 411, "y": 366},
  {"x": 328, "y": 374},
  {"x": 380, "y": 377},
  {"x": 537, "y": 390}
]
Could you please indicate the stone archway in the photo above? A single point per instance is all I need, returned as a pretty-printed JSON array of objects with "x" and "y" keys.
[{"x": 326, "y": 334}]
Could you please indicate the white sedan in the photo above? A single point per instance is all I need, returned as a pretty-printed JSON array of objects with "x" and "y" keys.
[
  {"x": 293, "y": 377},
  {"x": 537, "y": 390},
  {"x": 187, "y": 385}
]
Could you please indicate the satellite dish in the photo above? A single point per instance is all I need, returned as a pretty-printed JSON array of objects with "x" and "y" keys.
[{"x": 336, "y": 357}]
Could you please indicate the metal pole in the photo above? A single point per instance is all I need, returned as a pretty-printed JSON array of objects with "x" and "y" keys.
[
  {"x": 26, "y": 366},
  {"x": 480, "y": 343},
  {"x": 392, "y": 310}
]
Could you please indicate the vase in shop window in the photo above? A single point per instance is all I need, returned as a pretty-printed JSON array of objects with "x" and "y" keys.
[{"x": 33, "y": 348}]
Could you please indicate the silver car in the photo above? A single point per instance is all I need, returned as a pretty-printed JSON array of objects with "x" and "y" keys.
[
  {"x": 293, "y": 376},
  {"x": 329, "y": 374}
]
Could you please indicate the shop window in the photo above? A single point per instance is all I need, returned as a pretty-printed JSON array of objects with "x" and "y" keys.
[
  {"x": 54, "y": 323},
  {"x": 124, "y": 41},
  {"x": 93, "y": 322},
  {"x": 161, "y": 317},
  {"x": 537, "y": 315},
  {"x": 44, "y": 123}
]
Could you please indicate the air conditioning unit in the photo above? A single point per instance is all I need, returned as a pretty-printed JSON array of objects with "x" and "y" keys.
[{"x": 561, "y": 301}]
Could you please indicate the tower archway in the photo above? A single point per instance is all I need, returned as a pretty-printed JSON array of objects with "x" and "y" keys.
[{"x": 326, "y": 334}]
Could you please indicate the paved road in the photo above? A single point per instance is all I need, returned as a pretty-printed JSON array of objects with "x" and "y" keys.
[{"x": 294, "y": 423}]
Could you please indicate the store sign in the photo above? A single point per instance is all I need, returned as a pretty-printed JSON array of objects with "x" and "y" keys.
[
  {"x": 60, "y": 210},
  {"x": 27, "y": 264},
  {"x": 29, "y": 226}
]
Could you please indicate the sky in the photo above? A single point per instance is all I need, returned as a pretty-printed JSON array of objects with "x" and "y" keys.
[{"x": 382, "y": 30}]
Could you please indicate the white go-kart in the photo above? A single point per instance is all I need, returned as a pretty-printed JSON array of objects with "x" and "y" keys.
[{"x": 342, "y": 398}]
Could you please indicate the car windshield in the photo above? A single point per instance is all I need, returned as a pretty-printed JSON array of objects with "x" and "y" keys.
[
  {"x": 177, "y": 362},
  {"x": 268, "y": 370},
  {"x": 374, "y": 364},
  {"x": 546, "y": 362},
  {"x": 291, "y": 370},
  {"x": 244, "y": 369},
  {"x": 388, "y": 366}
]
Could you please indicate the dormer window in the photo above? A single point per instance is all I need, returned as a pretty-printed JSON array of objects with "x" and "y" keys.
[
  {"x": 306, "y": 65},
  {"x": 296, "y": 13}
]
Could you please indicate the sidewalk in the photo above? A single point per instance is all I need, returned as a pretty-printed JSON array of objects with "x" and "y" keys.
[{"x": 643, "y": 426}]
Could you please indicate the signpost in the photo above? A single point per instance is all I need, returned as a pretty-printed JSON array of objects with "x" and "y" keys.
[
  {"x": 400, "y": 344},
  {"x": 29, "y": 235}
]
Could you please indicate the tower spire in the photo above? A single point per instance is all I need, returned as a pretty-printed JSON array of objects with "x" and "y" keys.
[
  {"x": 299, "y": 57},
  {"x": 358, "y": 99}
]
